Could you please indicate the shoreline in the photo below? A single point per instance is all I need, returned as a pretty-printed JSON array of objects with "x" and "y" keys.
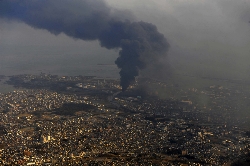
[{"x": 5, "y": 87}]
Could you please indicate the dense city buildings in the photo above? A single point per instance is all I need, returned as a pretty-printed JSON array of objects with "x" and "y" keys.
[{"x": 54, "y": 120}]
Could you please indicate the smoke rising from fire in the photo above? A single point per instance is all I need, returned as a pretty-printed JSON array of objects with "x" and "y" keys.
[{"x": 140, "y": 43}]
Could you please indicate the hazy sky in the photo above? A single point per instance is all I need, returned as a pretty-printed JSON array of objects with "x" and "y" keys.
[{"x": 207, "y": 38}]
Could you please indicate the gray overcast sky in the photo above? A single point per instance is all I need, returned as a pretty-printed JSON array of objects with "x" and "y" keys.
[{"x": 207, "y": 38}]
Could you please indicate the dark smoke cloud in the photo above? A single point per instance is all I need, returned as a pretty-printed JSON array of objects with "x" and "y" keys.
[{"x": 140, "y": 43}]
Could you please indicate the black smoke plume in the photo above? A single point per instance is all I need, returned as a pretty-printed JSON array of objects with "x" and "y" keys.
[{"x": 140, "y": 43}]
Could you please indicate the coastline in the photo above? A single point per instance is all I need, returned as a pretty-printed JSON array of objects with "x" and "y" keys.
[{"x": 4, "y": 87}]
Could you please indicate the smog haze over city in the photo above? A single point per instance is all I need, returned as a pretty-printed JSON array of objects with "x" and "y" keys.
[{"x": 81, "y": 81}]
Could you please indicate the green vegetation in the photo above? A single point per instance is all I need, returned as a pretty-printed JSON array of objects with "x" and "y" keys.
[{"x": 72, "y": 108}]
